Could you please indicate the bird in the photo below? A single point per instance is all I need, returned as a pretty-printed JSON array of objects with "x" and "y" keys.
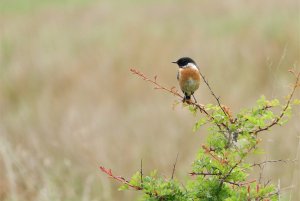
[{"x": 188, "y": 77}]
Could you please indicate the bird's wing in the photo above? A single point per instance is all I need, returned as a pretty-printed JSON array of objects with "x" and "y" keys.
[{"x": 177, "y": 75}]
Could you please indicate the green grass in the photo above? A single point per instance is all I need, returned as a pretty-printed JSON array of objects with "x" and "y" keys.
[{"x": 26, "y": 6}]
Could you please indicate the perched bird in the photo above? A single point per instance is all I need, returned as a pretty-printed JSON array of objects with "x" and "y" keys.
[{"x": 188, "y": 77}]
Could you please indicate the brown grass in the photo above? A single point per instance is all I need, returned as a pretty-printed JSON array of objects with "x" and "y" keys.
[{"x": 68, "y": 102}]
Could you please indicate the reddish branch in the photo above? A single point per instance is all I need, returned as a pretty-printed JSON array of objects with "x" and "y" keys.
[
  {"x": 172, "y": 90},
  {"x": 119, "y": 178},
  {"x": 210, "y": 152}
]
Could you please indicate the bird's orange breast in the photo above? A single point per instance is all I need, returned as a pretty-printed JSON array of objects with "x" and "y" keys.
[
  {"x": 189, "y": 80},
  {"x": 188, "y": 73}
]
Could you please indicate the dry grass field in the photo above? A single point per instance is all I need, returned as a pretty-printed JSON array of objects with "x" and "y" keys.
[{"x": 68, "y": 102}]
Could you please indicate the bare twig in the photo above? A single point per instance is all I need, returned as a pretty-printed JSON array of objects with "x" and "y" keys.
[
  {"x": 172, "y": 90},
  {"x": 271, "y": 161},
  {"x": 267, "y": 182},
  {"x": 174, "y": 166},
  {"x": 141, "y": 172},
  {"x": 214, "y": 95},
  {"x": 240, "y": 184},
  {"x": 204, "y": 174},
  {"x": 261, "y": 167}
]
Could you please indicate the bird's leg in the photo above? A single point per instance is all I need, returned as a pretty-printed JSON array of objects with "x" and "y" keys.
[
  {"x": 194, "y": 98},
  {"x": 184, "y": 97}
]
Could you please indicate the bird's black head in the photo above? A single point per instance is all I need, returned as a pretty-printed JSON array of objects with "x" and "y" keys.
[{"x": 184, "y": 61}]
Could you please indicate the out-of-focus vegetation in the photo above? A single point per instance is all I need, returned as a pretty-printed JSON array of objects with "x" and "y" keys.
[{"x": 69, "y": 103}]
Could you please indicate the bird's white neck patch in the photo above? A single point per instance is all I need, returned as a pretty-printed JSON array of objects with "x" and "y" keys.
[{"x": 191, "y": 65}]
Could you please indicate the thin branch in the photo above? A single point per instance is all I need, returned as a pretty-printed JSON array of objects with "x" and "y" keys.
[
  {"x": 203, "y": 174},
  {"x": 261, "y": 167},
  {"x": 174, "y": 166},
  {"x": 119, "y": 178},
  {"x": 271, "y": 161},
  {"x": 214, "y": 95},
  {"x": 141, "y": 171},
  {"x": 172, "y": 90},
  {"x": 267, "y": 182},
  {"x": 217, "y": 158},
  {"x": 240, "y": 184}
]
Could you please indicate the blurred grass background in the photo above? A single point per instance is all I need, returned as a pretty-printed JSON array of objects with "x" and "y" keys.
[{"x": 68, "y": 102}]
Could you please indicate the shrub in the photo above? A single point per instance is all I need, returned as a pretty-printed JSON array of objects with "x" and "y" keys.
[{"x": 220, "y": 171}]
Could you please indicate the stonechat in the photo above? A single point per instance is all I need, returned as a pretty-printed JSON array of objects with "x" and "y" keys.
[{"x": 188, "y": 77}]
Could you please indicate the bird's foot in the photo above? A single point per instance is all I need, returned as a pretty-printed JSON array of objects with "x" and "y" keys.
[{"x": 188, "y": 101}]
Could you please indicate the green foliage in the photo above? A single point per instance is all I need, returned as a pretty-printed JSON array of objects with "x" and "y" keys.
[
  {"x": 25, "y": 6},
  {"x": 220, "y": 171}
]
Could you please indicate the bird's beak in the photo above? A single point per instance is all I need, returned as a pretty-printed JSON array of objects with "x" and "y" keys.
[{"x": 174, "y": 62}]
